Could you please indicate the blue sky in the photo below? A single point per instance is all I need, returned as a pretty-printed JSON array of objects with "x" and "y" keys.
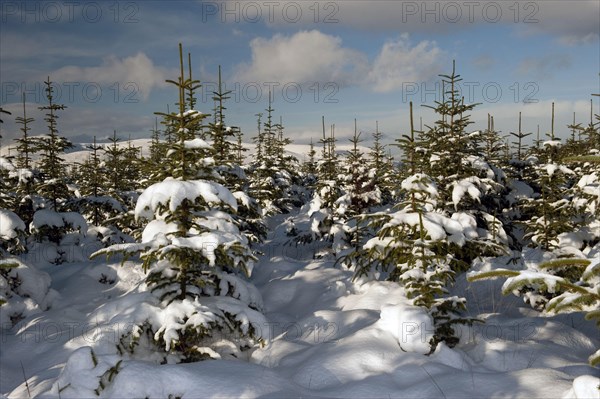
[{"x": 340, "y": 59}]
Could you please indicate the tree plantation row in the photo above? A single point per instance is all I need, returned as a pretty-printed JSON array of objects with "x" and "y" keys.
[{"x": 192, "y": 214}]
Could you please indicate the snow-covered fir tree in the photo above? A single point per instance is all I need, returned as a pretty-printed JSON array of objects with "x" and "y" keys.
[
  {"x": 123, "y": 173},
  {"x": 445, "y": 219},
  {"x": 359, "y": 191},
  {"x": 195, "y": 257},
  {"x": 273, "y": 174},
  {"x": 412, "y": 248},
  {"x": 325, "y": 223}
]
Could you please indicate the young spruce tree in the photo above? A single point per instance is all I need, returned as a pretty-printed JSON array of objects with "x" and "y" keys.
[{"x": 194, "y": 255}]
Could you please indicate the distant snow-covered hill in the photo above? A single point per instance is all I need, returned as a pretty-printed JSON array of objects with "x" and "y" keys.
[{"x": 81, "y": 151}]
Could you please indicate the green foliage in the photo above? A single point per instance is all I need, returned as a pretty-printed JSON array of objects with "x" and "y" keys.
[
  {"x": 8, "y": 193},
  {"x": 583, "y": 158}
]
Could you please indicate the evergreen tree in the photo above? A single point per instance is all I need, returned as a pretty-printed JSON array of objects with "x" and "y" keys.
[
  {"x": 448, "y": 146},
  {"x": 96, "y": 201},
  {"x": 25, "y": 144},
  {"x": 90, "y": 179},
  {"x": 381, "y": 167},
  {"x": 113, "y": 155},
  {"x": 413, "y": 248},
  {"x": 132, "y": 159},
  {"x": 272, "y": 173},
  {"x": 435, "y": 232},
  {"x": 228, "y": 163},
  {"x": 239, "y": 148},
  {"x": 549, "y": 209},
  {"x": 52, "y": 167},
  {"x": 493, "y": 145},
  {"x": 8, "y": 193},
  {"x": 193, "y": 252},
  {"x": 360, "y": 191},
  {"x": 6, "y": 166},
  {"x": 359, "y": 194},
  {"x": 518, "y": 162},
  {"x": 410, "y": 144},
  {"x": 309, "y": 168},
  {"x": 563, "y": 205},
  {"x": 119, "y": 194},
  {"x": 588, "y": 137},
  {"x": 325, "y": 222},
  {"x": 222, "y": 135},
  {"x": 157, "y": 148},
  {"x": 470, "y": 188},
  {"x": 26, "y": 174},
  {"x": 259, "y": 139}
]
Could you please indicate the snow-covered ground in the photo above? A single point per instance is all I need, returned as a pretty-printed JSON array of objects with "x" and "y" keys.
[{"x": 328, "y": 337}]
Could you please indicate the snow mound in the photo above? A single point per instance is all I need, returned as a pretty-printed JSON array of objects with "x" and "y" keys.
[
  {"x": 411, "y": 325},
  {"x": 10, "y": 224},
  {"x": 131, "y": 379},
  {"x": 584, "y": 387},
  {"x": 24, "y": 291}
]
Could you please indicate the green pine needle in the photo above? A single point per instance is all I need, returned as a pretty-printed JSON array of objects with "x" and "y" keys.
[
  {"x": 565, "y": 262},
  {"x": 492, "y": 274}
]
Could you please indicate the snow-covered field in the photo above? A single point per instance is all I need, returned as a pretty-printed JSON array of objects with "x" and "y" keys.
[{"x": 328, "y": 337}]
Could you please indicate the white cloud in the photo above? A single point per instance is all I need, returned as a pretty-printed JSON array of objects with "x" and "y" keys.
[
  {"x": 137, "y": 69},
  {"x": 399, "y": 63},
  {"x": 307, "y": 56},
  {"x": 312, "y": 56}
]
